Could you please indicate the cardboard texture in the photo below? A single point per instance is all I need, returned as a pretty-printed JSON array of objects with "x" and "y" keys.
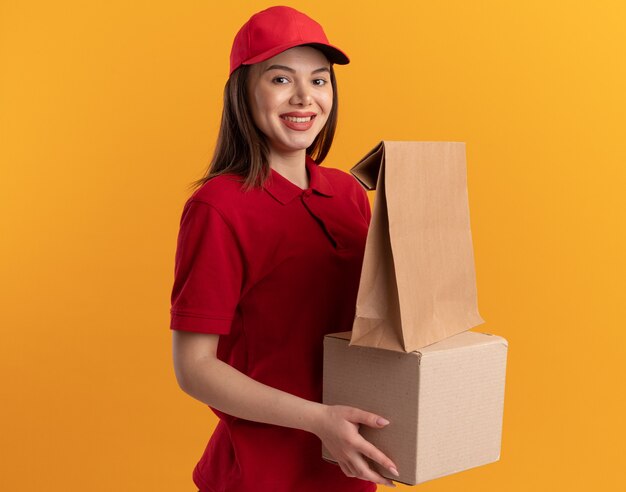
[
  {"x": 418, "y": 282},
  {"x": 444, "y": 401}
]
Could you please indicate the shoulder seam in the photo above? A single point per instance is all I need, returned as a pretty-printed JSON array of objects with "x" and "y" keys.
[
  {"x": 226, "y": 221},
  {"x": 230, "y": 228}
]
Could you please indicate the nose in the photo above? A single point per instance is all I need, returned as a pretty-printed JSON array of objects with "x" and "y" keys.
[{"x": 302, "y": 95}]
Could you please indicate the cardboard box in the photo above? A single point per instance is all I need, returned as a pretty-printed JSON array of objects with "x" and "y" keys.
[{"x": 444, "y": 401}]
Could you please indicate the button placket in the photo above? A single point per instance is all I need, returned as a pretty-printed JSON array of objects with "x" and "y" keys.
[{"x": 304, "y": 196}]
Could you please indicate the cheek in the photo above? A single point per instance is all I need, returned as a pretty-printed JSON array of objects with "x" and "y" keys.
[
  {"x": 327, "y": 102},
  {"x": 259, "y": 111},
  {"x": 265, "y": 103}
]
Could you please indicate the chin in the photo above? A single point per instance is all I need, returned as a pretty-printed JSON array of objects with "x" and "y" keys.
[
  {"x": 294, "y": 148},
  {"x": 299, "y": 145}
]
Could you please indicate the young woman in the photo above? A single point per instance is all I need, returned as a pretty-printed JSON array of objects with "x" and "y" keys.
[{"x": 268, "y": 261}]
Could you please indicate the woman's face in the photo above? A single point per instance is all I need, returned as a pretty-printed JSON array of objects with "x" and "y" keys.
[{"x": 294, "y": 81}]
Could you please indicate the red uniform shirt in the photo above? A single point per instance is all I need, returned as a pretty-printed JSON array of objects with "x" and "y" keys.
[{"x": 272, "y": 271}]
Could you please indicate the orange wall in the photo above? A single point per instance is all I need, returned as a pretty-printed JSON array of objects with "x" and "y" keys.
[{"x": 109, "y": 109}]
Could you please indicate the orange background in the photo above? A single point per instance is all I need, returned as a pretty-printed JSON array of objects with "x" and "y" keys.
[{"x": 109, "y": 110}]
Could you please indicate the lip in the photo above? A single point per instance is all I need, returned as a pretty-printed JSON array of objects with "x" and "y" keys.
[
  {"x": 301, "y": 127},
  {"x": 299, "y": 114}
]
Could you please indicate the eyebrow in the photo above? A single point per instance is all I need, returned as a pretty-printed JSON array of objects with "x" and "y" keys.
[{"x": 289, "y": 69}]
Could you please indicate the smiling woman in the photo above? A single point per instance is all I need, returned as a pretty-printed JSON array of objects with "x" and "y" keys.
[
  {"x": 243, "y": 148},
  {"x": 268, "y": 262},
  {"x": 291, "y": 99},
  {"x": 299, "y": 120}
]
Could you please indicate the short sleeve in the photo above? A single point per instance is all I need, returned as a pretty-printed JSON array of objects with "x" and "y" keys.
[{"x": 208, "y": 272}]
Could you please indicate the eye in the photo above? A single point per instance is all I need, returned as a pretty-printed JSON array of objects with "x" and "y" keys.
[
  {"x": 324, "y": 82},
  {"x": 277, "y": 78}
]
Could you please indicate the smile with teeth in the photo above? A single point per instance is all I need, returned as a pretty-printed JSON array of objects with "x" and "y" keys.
[{"x": 297, "y": 120}]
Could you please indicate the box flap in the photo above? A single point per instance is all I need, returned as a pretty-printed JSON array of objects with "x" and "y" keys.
[{"x": 462, "y": 340}]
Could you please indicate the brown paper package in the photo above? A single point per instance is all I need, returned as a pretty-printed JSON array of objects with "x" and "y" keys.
[
  {"x": 418, "y": 283},
  {"x": 410, "y": 356}
]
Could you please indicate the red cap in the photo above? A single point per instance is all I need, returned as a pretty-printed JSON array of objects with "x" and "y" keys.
[{"x": 276, "y": 29}]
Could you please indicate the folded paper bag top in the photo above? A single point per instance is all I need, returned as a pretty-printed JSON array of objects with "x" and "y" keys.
[{"x": 418, "y": 283}]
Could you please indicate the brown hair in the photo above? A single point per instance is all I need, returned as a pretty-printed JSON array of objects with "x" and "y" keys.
[{"x": 242, "y": 148}]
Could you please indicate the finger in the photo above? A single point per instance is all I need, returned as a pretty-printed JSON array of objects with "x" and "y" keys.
[
  {"x": 348, "y": 468},
  {"x": 364, "y": 472},
  {"x": 346, "y": 471},
  {"x": 372, "y": 452},
  {"x": 368, "y": 418}
]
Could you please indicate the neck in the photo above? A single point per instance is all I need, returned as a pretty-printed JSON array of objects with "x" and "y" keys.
[{"x": 291, "y": 166}]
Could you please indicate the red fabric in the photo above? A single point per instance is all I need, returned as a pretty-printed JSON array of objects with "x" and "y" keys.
[{"x": 272, "y": 271}]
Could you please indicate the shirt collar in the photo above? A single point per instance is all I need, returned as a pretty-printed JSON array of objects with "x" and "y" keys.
[{"x": 284, "y": 190}]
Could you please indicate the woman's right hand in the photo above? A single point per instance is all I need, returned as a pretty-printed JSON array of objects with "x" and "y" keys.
[{"x": 338, "y": 429}]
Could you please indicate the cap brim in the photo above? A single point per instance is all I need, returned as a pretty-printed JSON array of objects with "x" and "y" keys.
[{"x": 334, "y": 54}]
